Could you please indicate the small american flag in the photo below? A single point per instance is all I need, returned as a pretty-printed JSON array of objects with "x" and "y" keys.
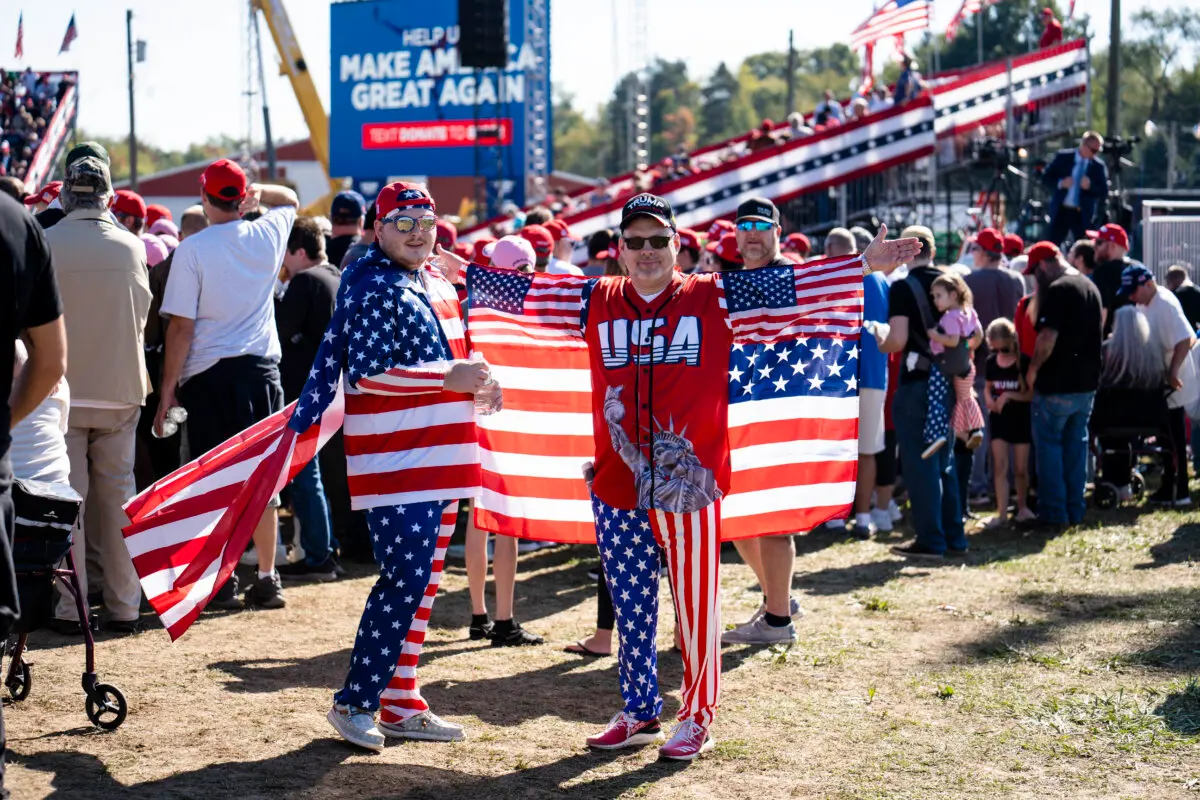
[
  {"x": 68, "y": 37},
  {"x": 793, "y": 418},
  {"x": 893, "y": 18},
  {"x": 20, "y": 53}
]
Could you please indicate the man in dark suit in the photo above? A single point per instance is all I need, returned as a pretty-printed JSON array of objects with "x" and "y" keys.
[{"x": 1079, "y": 180}]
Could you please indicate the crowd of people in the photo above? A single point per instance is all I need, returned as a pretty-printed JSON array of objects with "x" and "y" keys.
[
  {"x": 28, "y": 101},
  {"x": 976, "y": 382}
]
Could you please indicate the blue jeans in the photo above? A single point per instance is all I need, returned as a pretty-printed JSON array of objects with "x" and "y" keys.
[
  {"x": 312, "y": 512},
  {"x": 1060, "y": 434},
  {"x": 1195, "y": 423},
  {"x": 932, "y": 482}
]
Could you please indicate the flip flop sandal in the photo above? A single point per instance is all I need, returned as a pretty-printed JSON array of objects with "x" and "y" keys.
[{"x": 583, "y": 650}]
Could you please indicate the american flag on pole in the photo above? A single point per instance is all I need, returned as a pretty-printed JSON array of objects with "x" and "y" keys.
[
  {"x": 793, "y": 416},
  {"x": 20, "y": 53},
  {"x": 68, "y": 37},
  {"x": 967, "y": 8},
  {"x": 893, "y": 18}
]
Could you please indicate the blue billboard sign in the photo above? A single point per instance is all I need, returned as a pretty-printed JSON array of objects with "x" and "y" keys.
[{"x": 402, "y": 105}]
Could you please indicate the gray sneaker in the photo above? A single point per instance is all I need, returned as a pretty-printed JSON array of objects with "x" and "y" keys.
[
  {"x": 426, "y": 726},
  {"x": 759, "y": 632},
  {"x": 356, "y": 725},
  {"x": 794, "y": 609},
  {"x": 266, "y": 593}
]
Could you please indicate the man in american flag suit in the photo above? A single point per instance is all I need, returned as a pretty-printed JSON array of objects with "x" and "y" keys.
[
  {"x": 397, "y": 345},
  {"x": 658, "y": 347}
]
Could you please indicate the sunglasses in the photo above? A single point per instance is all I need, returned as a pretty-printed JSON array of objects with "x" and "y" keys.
[
  {"x": 408, "y": 224},
  {"x": 639, "y": 242},
  {"x": 755, "y": 225}
]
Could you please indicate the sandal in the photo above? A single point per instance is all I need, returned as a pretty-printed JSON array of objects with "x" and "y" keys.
[{"x": 578, "y": 648}]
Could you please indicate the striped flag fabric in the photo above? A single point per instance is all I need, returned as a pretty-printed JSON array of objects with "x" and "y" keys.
[
  {"x": 967, "y": 8},
  {"x": 187, "y": 531},
  {"x": 893, "y": 18},
  {"x": 20, "y": 52},
  {"x": 71, "y": 35},
  {"x": 793, "y": 417}
]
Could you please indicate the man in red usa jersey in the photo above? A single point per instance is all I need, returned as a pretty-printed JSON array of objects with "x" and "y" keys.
[{"x": 658, "y": 349}]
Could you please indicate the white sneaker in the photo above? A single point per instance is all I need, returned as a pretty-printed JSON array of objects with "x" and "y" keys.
[
  {"x": 894, "y": 511},
  {"x": 882, "y": 520},
  {"x": 794, "y": 608},
  {"x": 356, "y": 725},
  {"x": 426, "y": 726},
  {"x": 836, "y": 525},
  {"x": 1124, "y": 493},
  {"x": 759, "y": 632}
]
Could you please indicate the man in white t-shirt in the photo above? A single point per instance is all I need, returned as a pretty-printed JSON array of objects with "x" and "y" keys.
[
  {"x": 1174, "y": 336},
  {"x": 221, "y": 361}
]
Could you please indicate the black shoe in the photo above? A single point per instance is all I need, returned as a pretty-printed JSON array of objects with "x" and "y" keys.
[
  {"x": 1163, "y": 497},
  {"x": 266, "y": 593},
  {"x": 66, "y": 627},
  {"x": 861, "y": 532},
  {"x": 1039, "y": 525},
  {"x": 952, "y": 552},
  {"x": 227, "y": 596},
  {"x": 482, "y": 630},
  {"x": 917, "y": 551},
  {"x": 514, "y": 635},
  {"x": 303, "y": 571},
  {"x": 124, "y": 627}
]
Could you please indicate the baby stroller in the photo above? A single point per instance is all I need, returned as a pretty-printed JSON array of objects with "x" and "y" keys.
[
  {"x": 45, "y": 516},
  {"x": 1127, "y": 426}
]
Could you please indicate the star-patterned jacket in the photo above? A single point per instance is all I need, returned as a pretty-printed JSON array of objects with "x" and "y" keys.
[{"x": 394, "y": 335}]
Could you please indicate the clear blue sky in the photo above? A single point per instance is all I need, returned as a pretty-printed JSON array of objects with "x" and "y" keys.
[{"x": 191, "y": 86}]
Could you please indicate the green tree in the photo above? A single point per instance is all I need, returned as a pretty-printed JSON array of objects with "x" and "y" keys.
[
  {"x": 577, "y": 146},
  {"x": 724, "y": 111}
]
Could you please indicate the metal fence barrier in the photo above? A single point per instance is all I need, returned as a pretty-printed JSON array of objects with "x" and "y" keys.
[{"x": 1171, "y": 235}]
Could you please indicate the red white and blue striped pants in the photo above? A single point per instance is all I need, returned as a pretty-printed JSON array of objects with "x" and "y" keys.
[{"x": 633, "y": 544}]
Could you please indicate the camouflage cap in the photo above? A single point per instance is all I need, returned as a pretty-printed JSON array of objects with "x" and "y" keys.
[
  {"x": 87, "y": 175},
  {"x": 85, "y": 149}
]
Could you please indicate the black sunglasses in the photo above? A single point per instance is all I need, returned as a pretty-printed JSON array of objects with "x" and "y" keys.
[{"x": 639, "y": 242}]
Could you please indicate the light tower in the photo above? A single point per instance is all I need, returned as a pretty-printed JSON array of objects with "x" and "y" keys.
[
  {"x": 639, "y": 90},
  {"x": 537, "y": 101}
]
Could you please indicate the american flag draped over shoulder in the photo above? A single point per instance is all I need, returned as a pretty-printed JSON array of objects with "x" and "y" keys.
[
  {"x": 187, "y": 531},
  {"x": 793, "y": 416},
  {"x": 893, "y": 18}
]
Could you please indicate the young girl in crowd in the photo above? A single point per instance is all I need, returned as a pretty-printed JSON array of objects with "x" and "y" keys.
[
  {"x": 1007, "y": 398},
  {"x": 959, "y": 324}
]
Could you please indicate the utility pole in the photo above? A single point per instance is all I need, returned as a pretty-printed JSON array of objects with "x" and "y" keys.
[
  {"x": 791, "y": 76},
  {"x": 1114, "y": 71},
  {"x": 979, "y": 35},
  {"x": 133, "y": 176},
  {"x": 266, "y": 109}
]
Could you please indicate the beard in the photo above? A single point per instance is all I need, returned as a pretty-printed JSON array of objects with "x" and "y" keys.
[{"x": 410, "y": 257}]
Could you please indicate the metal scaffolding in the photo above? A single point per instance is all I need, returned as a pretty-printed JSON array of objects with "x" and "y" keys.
[{"x": 537, "y": 100}]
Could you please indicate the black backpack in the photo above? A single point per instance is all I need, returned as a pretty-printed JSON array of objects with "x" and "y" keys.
[{"x": 953, "y": 362}]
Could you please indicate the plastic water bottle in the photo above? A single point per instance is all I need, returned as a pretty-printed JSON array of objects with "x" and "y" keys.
[
  {"x": 176, "y": 416},
  {"x": 484, "y": 406}
]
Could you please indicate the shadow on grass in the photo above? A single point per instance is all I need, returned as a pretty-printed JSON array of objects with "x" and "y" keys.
[
  {"x": 1180, "y": 710},
  {"x": 1173, "y": 647},
  {"x": 1182, "y": 548},
  {"x": 319, "y": 770}
]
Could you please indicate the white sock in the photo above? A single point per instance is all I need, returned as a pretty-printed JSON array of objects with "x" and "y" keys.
[
  {"x": 863, "y": 519},
  {"x": 262, "y": 574}
]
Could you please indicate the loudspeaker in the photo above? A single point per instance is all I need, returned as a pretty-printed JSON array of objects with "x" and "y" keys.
[{"x": 483, "y": 33}]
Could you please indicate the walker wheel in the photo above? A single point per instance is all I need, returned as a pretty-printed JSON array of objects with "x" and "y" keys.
[
  {"x": 1138, "y": 484},
  {"x": 1105, "y": 496},
  {"x": 106, "y": 707},
  {"x": 20, "y": 683}
]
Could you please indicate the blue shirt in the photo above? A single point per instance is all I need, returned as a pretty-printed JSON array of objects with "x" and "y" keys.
[{"x": 872, "y": 366}]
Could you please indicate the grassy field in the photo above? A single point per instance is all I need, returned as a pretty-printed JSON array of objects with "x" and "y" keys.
[{"x": 1065, "y": 667}]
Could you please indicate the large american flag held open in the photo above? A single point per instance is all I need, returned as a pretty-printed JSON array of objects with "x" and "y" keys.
[
  {"x": 893, "y": 18},
  {"x": 793, "y": 416}
]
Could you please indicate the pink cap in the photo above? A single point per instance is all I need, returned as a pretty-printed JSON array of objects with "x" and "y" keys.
[{"x": 513, "y": 252}]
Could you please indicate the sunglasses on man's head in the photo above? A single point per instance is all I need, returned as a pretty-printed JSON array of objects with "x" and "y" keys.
[
  {"x": 639, "y": 242},
  {"x": 755, "y": 225},
  {"x": 408, "y": 224}
]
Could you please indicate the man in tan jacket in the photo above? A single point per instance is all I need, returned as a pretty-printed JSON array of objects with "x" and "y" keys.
[{"x": 105, "y": 291}]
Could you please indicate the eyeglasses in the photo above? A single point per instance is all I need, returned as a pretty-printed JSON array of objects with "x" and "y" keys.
[
  {"x": 755, "y": 225},
  {"x": 639, "y": 242},
  {"x": 408, "y": 224}
]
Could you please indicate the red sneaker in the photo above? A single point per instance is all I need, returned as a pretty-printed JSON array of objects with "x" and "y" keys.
[
  {"x": 625, "y": 731},
  {"x": 688, "y": 740}
]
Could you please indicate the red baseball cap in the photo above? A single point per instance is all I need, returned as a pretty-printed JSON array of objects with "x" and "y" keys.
[
  {"x": 128, "y": 202},
  {"x": 719, "y": 229},
  {"x": 797, "y": 242},
  {"x": 539, "y": 237},
  {"x": 464, "y": 250},
  {"x": 689, "y": 238},
  {"x": 447, "y": 234},
  {"x": 1039, "y": 253},
  {"x": 1013, "y": 245},
  {"x": 402, "y": 195},
  {"x": 1047, "y": 12},
  {"x": 480, "y": 243},
  {"x": 727, "y": 248},
  {"x": 155, "y": 212},
  {"x": 46, "y": 195},
  {"x": 224, "y": 180},
  {"x": 990, "y": 240},
  {"x": 559, "y": 230},
  {"x": 1111, "y": 233}
]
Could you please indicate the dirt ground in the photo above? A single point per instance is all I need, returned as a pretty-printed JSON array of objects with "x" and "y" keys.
[{"x": 1041, "y": 668}]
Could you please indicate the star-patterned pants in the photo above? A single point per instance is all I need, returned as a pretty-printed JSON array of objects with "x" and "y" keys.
[
  {"x": 410, "y": 547},
  {"x": 937, "y": 421},
  {"x": 632, "y": 546}
]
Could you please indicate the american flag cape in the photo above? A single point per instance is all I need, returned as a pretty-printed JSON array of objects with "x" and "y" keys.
[
  {"x": 793, "y": 414},
  {"x": 187, "y": 531}
]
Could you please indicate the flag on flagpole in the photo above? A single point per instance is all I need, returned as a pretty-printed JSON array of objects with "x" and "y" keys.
[
  {"x": 70, "y": 36},
  {"x": 893, "y": 18},
  {"x": 967, "y": 8},
  {"x": 1071, "y": 10},
  {"x": 20, "y": 36}
]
